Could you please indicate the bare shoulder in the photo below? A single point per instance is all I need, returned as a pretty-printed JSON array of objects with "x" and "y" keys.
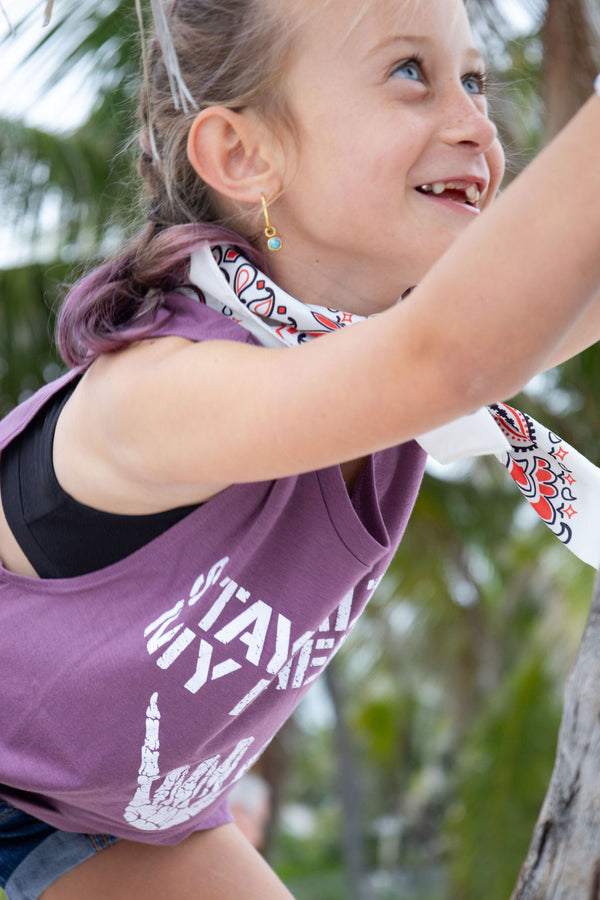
[
  {"x": 163, "y": 413},
  {"x": 100, "y": 451},
  {"x": 170, "y": 421},
  {"x": 174, "y": 421}
]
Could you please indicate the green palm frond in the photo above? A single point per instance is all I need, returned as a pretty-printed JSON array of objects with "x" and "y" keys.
[
  {"x": 97, "y": 39},
  {"x": 27, "y": 297},
  {"x": 77, "y": 181}
]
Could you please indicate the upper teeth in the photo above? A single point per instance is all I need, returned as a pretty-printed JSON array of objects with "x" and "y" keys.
[{"x": 438, "y": 187}]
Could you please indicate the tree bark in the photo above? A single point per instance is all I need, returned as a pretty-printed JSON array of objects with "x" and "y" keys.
[
  {"x": 572, "y": 58},
  {"x": 563, "y": 862},
  {"x": 349, "y": 789}
]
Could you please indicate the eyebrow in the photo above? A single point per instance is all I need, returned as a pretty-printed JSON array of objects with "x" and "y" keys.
[{"x": 472, "y": 53}]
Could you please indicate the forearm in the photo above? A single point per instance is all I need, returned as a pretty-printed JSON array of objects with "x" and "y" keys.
[
  {"x": 514, "y": 283},
  {"x": 584, "y": 333}
]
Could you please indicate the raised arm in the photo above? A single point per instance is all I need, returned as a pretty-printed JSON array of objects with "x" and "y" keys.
[
  {"x": 584, "y": 333},
  {"x": 488, "y": 316}
]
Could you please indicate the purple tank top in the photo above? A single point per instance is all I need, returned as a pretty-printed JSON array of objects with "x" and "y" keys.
[{"x": 135, "y": 696}]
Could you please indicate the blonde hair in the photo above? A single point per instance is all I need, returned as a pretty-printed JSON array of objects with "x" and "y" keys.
[{"x": 231, "y": 53}]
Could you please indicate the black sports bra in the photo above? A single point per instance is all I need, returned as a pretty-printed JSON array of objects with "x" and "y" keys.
[{"x": 61, "y": 537}]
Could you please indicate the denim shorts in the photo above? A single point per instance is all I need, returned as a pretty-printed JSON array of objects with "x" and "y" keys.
[{"x": 34, "y": 854}]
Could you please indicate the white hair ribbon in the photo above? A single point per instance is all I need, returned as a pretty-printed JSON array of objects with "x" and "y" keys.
[
  {"x": 48, "y": 12},
  {"x": 182, "y": 98}
]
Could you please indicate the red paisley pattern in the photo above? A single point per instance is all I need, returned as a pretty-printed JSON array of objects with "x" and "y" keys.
[
  {"x": 516, "y": 426},
  {"x": 293, "y": 321},
  {"x": 537, "y": 465}
]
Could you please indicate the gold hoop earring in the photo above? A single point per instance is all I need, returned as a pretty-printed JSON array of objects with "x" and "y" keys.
[{"x": 274, "y": 242}]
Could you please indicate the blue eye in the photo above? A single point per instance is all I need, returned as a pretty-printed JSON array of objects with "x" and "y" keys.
[
  {"x": 411, "y": 69},
  {"x": 475, "y": 83}
]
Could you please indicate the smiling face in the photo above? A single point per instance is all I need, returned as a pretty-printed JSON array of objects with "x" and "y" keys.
[{"x": 393, "y": 155}]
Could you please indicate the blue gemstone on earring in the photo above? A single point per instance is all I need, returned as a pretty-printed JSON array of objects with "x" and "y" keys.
[{"x": 274, "y": 243}]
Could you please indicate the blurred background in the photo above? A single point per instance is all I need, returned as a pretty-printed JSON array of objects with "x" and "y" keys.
[{"x": 416, "y": 767}]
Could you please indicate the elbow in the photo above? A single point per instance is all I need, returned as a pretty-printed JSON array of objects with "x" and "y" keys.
[{"x": 479, "y": 375}]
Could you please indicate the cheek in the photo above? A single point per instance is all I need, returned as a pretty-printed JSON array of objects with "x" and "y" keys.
[{"x": 496, "y": 164}]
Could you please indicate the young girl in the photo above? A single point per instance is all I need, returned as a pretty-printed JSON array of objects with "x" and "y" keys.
[{"x": 195, "y": 515}]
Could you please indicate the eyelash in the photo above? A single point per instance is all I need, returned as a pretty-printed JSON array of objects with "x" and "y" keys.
[
  {"x": 480, "y": 78},
  {"x": 417, "y": 60}
]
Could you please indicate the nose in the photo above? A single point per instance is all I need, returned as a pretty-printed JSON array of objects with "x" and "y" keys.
[{"x": 465, "y": 119}]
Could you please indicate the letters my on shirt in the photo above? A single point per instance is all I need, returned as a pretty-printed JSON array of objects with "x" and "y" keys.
[{"x": 231, "y": 617}]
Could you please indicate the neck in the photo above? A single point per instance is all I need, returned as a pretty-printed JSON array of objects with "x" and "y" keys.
[{"x": 348, "y": 287}]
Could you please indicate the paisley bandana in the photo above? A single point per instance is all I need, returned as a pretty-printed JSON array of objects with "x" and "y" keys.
[{"x": 561, "y": 485}]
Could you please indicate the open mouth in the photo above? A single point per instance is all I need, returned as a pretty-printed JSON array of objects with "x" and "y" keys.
[{"x": 468, "y": 195}]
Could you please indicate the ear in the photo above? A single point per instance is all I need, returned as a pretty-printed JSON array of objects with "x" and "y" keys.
[{"x": 235, "y": 153}]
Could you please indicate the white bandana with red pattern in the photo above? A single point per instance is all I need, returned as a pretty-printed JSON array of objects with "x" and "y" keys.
[{"x": 561, "y": 485}]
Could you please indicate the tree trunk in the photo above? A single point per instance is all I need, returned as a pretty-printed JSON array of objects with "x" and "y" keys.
[
  {"x": 274, "y": 767},
  {"x": 572, "y": 58},
  {"x": 564, "y": 856},
  {"x": 563, "y": 862},
  {"x": 349, "y": 788}
]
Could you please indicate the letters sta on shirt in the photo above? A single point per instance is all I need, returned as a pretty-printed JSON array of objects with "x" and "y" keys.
[{"x": 232, "y": 616}]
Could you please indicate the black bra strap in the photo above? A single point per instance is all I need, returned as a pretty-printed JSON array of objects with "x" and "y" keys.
[{"x": 61, "y": 537}]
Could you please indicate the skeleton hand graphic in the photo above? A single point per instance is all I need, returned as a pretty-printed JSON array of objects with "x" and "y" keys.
[{"x": 162, "y": 801}]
